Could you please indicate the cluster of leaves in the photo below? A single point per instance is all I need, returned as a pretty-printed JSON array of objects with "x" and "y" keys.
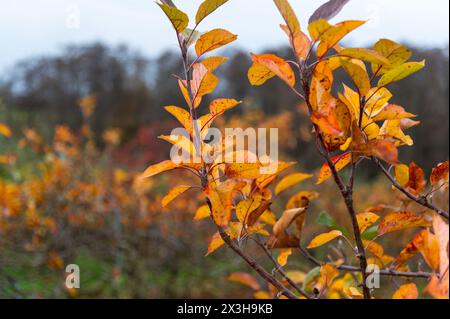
[{"x": 351, "y": 123}]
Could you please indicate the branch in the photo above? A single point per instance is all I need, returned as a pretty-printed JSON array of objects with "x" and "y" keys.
[
  {"x": 251, "y": 262},
  {"x": 421, "y": 200},
  {"x": 388, "y": 272}
]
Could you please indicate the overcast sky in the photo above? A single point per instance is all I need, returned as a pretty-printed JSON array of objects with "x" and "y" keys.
[{"x": 37, "y": 27}]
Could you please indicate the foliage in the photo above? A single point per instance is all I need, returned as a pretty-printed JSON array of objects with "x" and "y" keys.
[{"x": 358, "y": 124}]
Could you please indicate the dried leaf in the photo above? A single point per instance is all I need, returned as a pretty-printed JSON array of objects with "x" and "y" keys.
[{"x": 328, "y": 10}]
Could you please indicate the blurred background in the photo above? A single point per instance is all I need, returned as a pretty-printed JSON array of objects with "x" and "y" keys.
[{"x": 82, "y": 89}]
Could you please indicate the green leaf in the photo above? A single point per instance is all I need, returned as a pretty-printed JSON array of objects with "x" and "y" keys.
[
  {"x": 326, "y": 220},
  {"x": 208, "y": 7},
  {"x": 178, "y": 18},
  {"x": 401, "y": 72}
]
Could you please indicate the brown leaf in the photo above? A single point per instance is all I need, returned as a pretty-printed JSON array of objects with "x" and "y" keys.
[
  {"x": 328, "y": 10},
  {"x": 401, "y": 220}
]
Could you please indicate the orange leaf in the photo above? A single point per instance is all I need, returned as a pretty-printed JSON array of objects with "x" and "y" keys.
[
  {"x": 439, "y": 174},
  {"x": 277, "y": 65},
  {"x": 365, "y": 220},
  {"x": 212, "y": 40},
  {"x": 245, "y": 279},
  {"x": 428, "y": 245},
  {"x": 340, "y": 163},
  {"x": 159, "y": 168},
  {"x": 202, "y": 213},
  {"x": 417, "y": 181},
  {"x": 286, "y": 220},
  {"x": 215, "y": 242},
  {"x": 283, "y": 256},
  {"x": 408, "y": 291},
  {"x": 173, "y": 194},
  {"x": 400, "y": 220}
]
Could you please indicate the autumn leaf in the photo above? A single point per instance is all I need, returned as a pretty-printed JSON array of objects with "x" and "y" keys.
[
  {"x": 245, "y": 279},
  {"x": 287, "y": 218},
  {"x": 288, "y": 15},
  {"x": 214, "y": 62},
  {"x": 340, "y": 163},
  {"x": 290, "y": 181},
  {"x": 206, "y": 8},
  {"x": 212, "y": 40},
  {"x": 283, "y": 256},
  {"x": 219, "y": 106},
  {"x": 402, "y": 174},
  {"x": 299, "y": 42},
  {"x": 178, "y": 18},
  {"x": 258, "y": 213},
  {"x": 301, "y": 199},
  {"x": 5, "y": 130},
  {"x": 182, "y": 116},
  {"x": 243, "y": 170},
  {"x": 328, "y": 10},
  {"x": 428, "y": 245},
  {"x": 202, "y": 213},
  {"x": 396, "y": 54},
  {"x": 324, "y": 238},
  {"x": 408, "y": 291},
  {"x": 400, "y": 220},
  {"x": 439, "y": 175},
  {"x": 367, "y": 55},
  {"x": 392, "y": 112},
  {"x": 331, "y": 36},
  {"x": 258, "y": 74},
  {"x": 215, "y": 242},
  {"x": 159, "y": 168},
  {"x": 203, "y": 81},
  {"x": 276, "y": 65},
  {"x": 365, "y": 220},
  {"x": 416, "y": 183},
  {"x": 359, "y": 76},
  {"x": 173, "y": 194},
  {"x": 400, "y": 72}
]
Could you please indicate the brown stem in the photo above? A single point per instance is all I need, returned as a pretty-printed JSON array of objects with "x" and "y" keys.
[
  {"x": 421, "y": 200},
  {"x": 346, "y": 192},
  {"x": 251, "y": 262}
]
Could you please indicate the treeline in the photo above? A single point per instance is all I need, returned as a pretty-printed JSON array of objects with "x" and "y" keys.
[{"x": 131, "y": 90}]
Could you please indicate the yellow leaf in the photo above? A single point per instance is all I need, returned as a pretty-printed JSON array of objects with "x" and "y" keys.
[
  {"x": 376, "y": 101},
  {"x": 392, "y": 112},
  {"x": 359, "y": 76},
  {"x": 245, "y": 279},
  {"x": 206, "y": 8},
  {"x": 408, "y": 291},
  {"x": 286, "y": 220},
  {"x": 202, "y": 213},
  {"x": 213, "y": 40},
  {"x": 340, "y": 163},
  {"x": 276, "y": 65},
  {"x": 221, "y": 200},
  {"x": 5, "y": 130},
  {"x": 324, "y": 238},
  {"x": 328, "y": 274},
  {"x": 318, "y": 28},
  {"x": 401, "y": 220},
  {"x": 182, "y": 116},
  {"x": 438, "y": 288},
  {"x": 215, "y": 242},
  {"x": 365, "y": 220},
  {"x": 159, "y": 168},
  {"x": 392, "y": 129},
  {"x": 428, "y": 245},
  {"x": 288, "y": 15},
  {"x": 283, "y": 256},
  {"x": 402, "y": 174},
  {"x": 245, "y": 207},
  {"x": 258, "y": 74},
  {"x": 396, "y": 54},
  {"x": 212, "y": 63},
  {"x": 301, "y": 199},
  {"x": 297, "y": 276},
  {"x": 178, "y": 18},
  {"x": 290, "y": 181},
  {"x": 375, "y": 249},
  {"x": 365, "y": 55},
  {"x": 400, "y": 72},
  {"x": 330, "y": 37},
  {"x": 243, "y": 170},
  {"x": 219, "y": 106},
  {"x": 173, "y": 194}
]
